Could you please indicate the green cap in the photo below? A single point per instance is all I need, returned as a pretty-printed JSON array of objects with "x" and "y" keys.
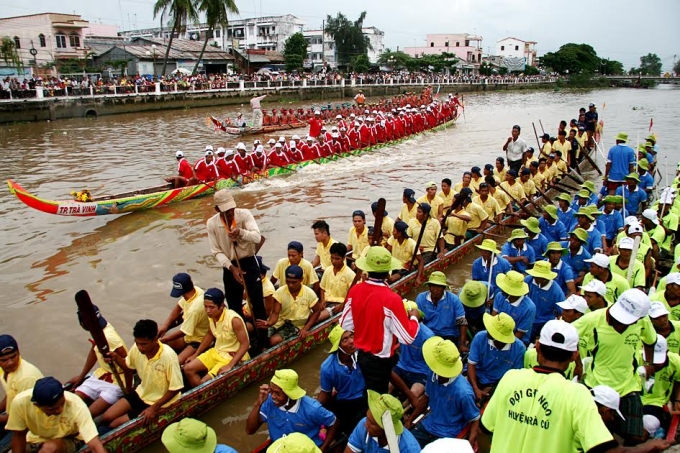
[
  {"x": 644, "y": 164},
  {"x": 517, "y": 233},
  {"x": 612, "y": 199},
  {"x": 379, "y": 404},
  {"x": 189, "y": 435},
  {"x": 410, "y": 305},
  {"x": 633, "y": 176},
  {"x": 489, "y": 245},
  {"x": 438, "y": 278},
  {"x": 288, "y": 381},
  {"x": 512, "y": 283},
  {"x": 442, "y": 357},
  {"x": 531, "y": 224},
  {"x": 593, "y": 210},
  {"x": 378, "y": 259},
  {"x": 473, "y": 294},
  {"x": 583, "y": 193},
  {"x": 581, "y": 235},
  {"x": 294, "y": 443},
  {"x": 501, "y": 327},
  {"x": 542, "y": 269},
  {"x": 621, "y": 137},
  {"x": 589, "y": 185},
  {"x": 555, "y": 247},
  {"x": 564, "y": 197},
  {"x": 586, "y": 212},
  {"x": 551, "y": 211},
  {"x": 335, "y": 336}
]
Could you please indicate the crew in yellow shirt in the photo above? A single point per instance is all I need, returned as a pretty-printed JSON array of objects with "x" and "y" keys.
[
  {"x": 322, "y": 235},
  {"x": 546, "y": 147},
  {"x": 536, "y": 176},
  {"x": 431, "y": 198},
  {"x": 489, "y": 203},
  {"x": 189, "y": 309},
  {"x": 229, "y": 333},
  {"x": 527, "y": 183},
  {"x": 18, "y": 374},
  {"x": 500, "y": 170},
  {"x": 456, "y": 226},
  {"x": 476, "y": 180},
  {"x": 560, "y": 165},
  {"x": 296, "y": 309},
  {"x": 465, "y": 183},
  {"x": 446, "y": 194},
  {"x": 513, "y": 188},
  {"x": 358, "y": 235},
  {"x": 46, "y": 418},
  {"x": 410, "y": 206},
  {"x": 296, "y": 257},
  {"x": 158, "y": 369},
  {"x": 562, "y": 144},
  {"x": 403, "y": 248},
  {"x": 431, "y": 234},
  {"x": 336, "y": 280}
]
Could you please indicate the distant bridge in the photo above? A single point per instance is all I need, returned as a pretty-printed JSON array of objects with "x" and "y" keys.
[{"x": 634, "y": 79}]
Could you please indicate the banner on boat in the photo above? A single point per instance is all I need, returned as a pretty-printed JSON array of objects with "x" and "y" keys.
[{"x": 76, "y": 208}]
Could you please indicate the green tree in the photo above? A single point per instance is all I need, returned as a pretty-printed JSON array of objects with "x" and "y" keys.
[
  {"x": 295, "y": 51},
  {"x": 394, "y": 59},
  {"x": 485, "y": 69},
  {"x": 349, "y": 38},
  {"x": 676, "y": 68},
  {"x": 361, "y": 63},
  {"x": 10, "y": 54},
  {"x": 611, "y": 67},
  {"x": 530, "y": 70},
  {"x": 572, "y": 59},
  {"x": 650, "y": 64},
  {"x": 182, "y": 11},
  {"x": 216, "y": 12}
]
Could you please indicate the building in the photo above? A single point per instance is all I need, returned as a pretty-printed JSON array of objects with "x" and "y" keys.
[
  {"x": 44, "y": 40},
  {"x": 513, "y": 49},
  {"x": 323, "y": 50},
  {"x": 466, "y": 47},
  {"x": 267, "y": 33}
]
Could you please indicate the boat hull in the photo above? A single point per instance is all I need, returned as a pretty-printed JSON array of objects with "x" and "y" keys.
[{"x": 248, "y": 130}]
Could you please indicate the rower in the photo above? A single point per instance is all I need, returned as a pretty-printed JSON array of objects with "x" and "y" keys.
[
  {"x": 465, "y": 183},
  {"x": 278, "y": 158},
  {"x": 613, "y": 222},
  {"x": 240, "y": 122},
  {"x": 490, "y": 256},
  {"x": 258, "y": 160},
  {"x": 635, "y": 197},
  {"x": 500, "y": 170},
  {"x": 296, "y": 257},
  {"x": 599, "y": 269},
  {"x": 402, "y": 247},
  {"x": 514, "y": 149},
  {"x": 501, "y": 197},
  {"x": 156, "y": 390},
  {"x": 535, "y": 238},
  {"x": 296, "y": 309},
  {"x": 620, "y": 162},
  {"x": 423, "y": 219},
  {"x": 513, "y": 299},
  {"x": 436, "y": 203},
  {"x": 443, "y": 311},
  {"x": 585, "y": 219},
  {"x": 241, "y": 159},
  {"x": 322, "y": 235},
  {"x": 550, "y": 225},
  {"x": 554, "y": 254},
  {"x": 100, "y": 390},
  {"x": 341, "y": 382},
  {"x": 376, "y": 316},
  {"x": 190, "y": 435},
  {"x": 286, "y": 408},
  {"x": 358, "y": 235},
  {"x": 565, "y": 213},
  {"x": 455, "y": 226},
  {"x": 18, "y": 375},
  {"x": 294, "y": 154},
  {"x": 336, "y": 281},
  {"x": 537, "y": 177},
  {"x": 47, "y": 419},
  {"x": 189, "y": 308},
  {"x": 493, "y": 353},
  {"x": 315, "y": 124},
  {"x": 229, "y": 334},
  {"x": 489, "y": 171},
  {"x": 324, "y": 146},
  {"x": 517, "y": 252},
  {"x": 544, "y": 292},
  {"x": 488, "y": 203},
  {"x": 576, "y": 255},
  {"x": 595, "y": 294},
  {"x": 546, "y": 147},
  {"x": 670, "y": 296},
  {"x": 561, "y": 148},
  {"x": 387, "y": 223},
  {"x": 669, "y": 330},
  {"x": 528, "y": 184},
  {"x": 477, "y": 178},
  {"x": 185, "y": 172},
  {"x": 573, "y": 308},
  {"x": 449, "y": 395},
  {"x": 410, "y": 207},
  {"x": 619, "y": 264}
]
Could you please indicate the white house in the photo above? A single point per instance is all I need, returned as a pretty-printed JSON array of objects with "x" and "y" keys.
[
  {"x": 514, "y": 48},
  {"x": 320, "y": 50}
]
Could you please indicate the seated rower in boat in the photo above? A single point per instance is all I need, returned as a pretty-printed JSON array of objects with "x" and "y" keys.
[
  {"x": 205, "y": 168},
  {"x": 490, "y": 204},
  {"x": 190, "y": 310},
  {"x": 230, "y": 336},
  {"x": 408, "y": 210},
  {"x": 436, "y": 203},
  {"x": 387, "y": 224},
  {"x": 442, "y": 311},
  {"x": 358, "y": 236},
  {"x": 423, "y": 219},
  {"x": 296, "y": 258},
  {"x": 336, "y": 281},
  {"x": 185, "y": 173},
  {"x": 456, "y": 225},
  {"x": 446, "y": 194},
  {"x": 322, "y": 236},
  {"x": 402, "y": 247}
]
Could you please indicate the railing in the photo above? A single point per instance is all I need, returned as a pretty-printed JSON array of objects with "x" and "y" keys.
[{"x": 161, "y": 88}]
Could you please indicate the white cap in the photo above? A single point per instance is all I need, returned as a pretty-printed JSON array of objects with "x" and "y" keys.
[
  {"x": 366, "y": 112},
  {"x": 448, "y": 445},
  {"x": 626, "y": 243},
  {"x": 356, "y": 123},
  {"x": 317, "y": 112},
  {"x": 220, "y": 150},
  {"x": 635, "y": 228},
  {"x": 607, "y": 397},
  {"x": 352, "y": 115},
  {"x": 559, "y": 334},
  {"x": 631, "y": 219},
  {"x": 338, "y": 117},
  {"x": 241, "y": 145},
  {"x": 651, "y": 215},
  {"x": 208, "y": 152},
  {"x": 278, "y": 145},
  {"x": 310, "y": 138},
  {"x": 229, "y": 152},
  {"x": 574, "y": 302},
  {"x": 651, "y": 424},
  {"x": 323, "y": 128},
  {"x": 660, "y": 351},
  {"x": 259, "y": 149},
  {"x": 209, "y": 147},
  {"x": 271, "y": 141},
  {"x": 657, "y": 309},
  {"x": 342, "y": 129},
  {"x": 382, "y": 123},
  {"x": 179, "y": 154},
  {"x": 334, "y": 128},
  {"x": 335, "y": 135},
  {"x": 296, "y": 137},
  {"x": 293, "y": 145},
  {"x": 374, "y": 112},
  {"x": 673, "y": 278},
  {"x": 282, "y": 139},
  {"x": 595, "y": 286},
  {"x": 256, "y": 142},
  {"x": 631, "y": 305},
  {"x": 599, "y": 259}
]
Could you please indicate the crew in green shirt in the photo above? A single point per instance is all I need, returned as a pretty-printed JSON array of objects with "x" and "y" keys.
[
  {"x": 620, "y": 263},
  {"x": 599, "y": 269},
  {"x": 670, "y": 296},
  {"x": 660, "y": 387},
  {"x": 663, "y": 326}
]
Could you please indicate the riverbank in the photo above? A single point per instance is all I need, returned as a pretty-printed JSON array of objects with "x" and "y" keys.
[{"x": 27, "y": 110}]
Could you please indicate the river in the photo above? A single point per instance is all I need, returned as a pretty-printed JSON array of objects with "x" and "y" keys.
[{"x": 126, "y": 262}]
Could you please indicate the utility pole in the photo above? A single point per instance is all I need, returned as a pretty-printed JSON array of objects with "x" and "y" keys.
[{"x": 323, "y": 39}]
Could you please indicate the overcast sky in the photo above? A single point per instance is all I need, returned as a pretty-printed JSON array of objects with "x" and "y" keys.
[{"x": 618, "y": 29}]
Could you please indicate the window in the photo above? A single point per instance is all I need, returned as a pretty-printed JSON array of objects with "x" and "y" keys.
[
  {"x": 61, "y": 41},
  {"x": 17, "y": 42},
  {"x": 431, "y": 44},
  {"x": 502, "y": 47},
  {"x": 42, "y": 40},
  {"x": 74, "y": 40},
  {"x": 457, "y": 44},
  {"x": 467, "y": 43},
  {"x": 446, "y": 44},
  {"x": 516, "y": 47},
  {"x": 473, "y": 58},
  {"x": 217, "y": 33},
  {"x": 273, "y": 30}
]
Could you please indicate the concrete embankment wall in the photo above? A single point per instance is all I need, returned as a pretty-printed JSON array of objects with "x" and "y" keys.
[{"x": 93, "y": 106}]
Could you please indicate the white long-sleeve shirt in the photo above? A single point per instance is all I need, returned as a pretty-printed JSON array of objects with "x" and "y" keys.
[{"x": 221, "y": 245}]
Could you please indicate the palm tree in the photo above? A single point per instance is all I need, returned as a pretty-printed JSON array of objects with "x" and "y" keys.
[
  {"x": 181, "y": 11},
  {"x": 215, "y": 15}
]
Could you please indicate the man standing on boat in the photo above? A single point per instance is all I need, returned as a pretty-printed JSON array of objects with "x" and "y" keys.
[
  {"x": 257, "y": 111},
  {"x": 620, "y": 162},
  {"x": 514, "y": 149},
  {"x": 233, "y": 236}
]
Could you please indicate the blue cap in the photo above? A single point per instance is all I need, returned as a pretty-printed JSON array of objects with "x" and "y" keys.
[
  {"x": 294, "y": 271},
  {"x": 500, "y": 159},
  {"x": 181, "y": 284},
  {"x": 476, "y": 170},
  {"x": 465, "y": 192},
  {"x": 401, "y": 227},
  {"x": 295, "y": 245},
  {"x": 47, "y": 391},
  {"x": 526, "y": 171},
  {"x": 425, "y": 207},
  {"x": 374, "y": 207},
  {"x": 359, "y": 213},
  {"x": 102, "y": 321},
  {"x": 488, "y": 167},
  {"x": 8, "y": 345},
  {"x": 214, "y": 294},
  {"x": 512, "y": 173},
  {"x": 410, "y": 194},
  {"x": 263, "y": 267}
]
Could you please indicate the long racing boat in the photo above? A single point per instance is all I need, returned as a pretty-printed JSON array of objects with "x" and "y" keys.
[{"x": 162, "y": 195}]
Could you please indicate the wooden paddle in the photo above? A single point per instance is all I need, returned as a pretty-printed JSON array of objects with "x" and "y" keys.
[
  {"x": 573, "y": 177},
  {"x": 541, "y": 123},
  {"x": 376, "y": 239},
  {"x": 91, "y": 322},
  {"x": 540, "y": 149},
  {"x": 592, "y": 162},
  {"x": 390, "y": 433},
  {"x": 455, "y": 205},
  {"x": 420, "y": 238},
  {"x": 522, "y": 207},
  {"x": 544, "y": 195},
  {"x": 567, "y": 186}
]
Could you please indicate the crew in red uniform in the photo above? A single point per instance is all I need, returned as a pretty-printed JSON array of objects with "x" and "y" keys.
[
  {"x": 241, "y": 159},
  {"x": 377, "y": 317},
  {"x": 380, "y": 132},
  {"x": 205, "y": 169},
  {"x": 185, "y": 173},
  {"x": 345, "y": 141},
  {"x": 258, "y": 160},
  {"x": 325, "y": 148},
  {"x": 315, "y": 124},
  {"x": 335, "y": 143},
  {"x": 278, "y": 158},
  {"x": 311, "y": 150},
  {"x": 227, "y": 167},
  {"x": 294, "y": 153},
  {"x": 364, "y": 134}
]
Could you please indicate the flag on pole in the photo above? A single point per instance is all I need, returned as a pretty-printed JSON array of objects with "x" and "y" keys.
[{"x": 651, "y": 124}]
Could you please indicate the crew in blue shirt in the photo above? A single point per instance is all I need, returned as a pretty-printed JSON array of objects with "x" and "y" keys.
[
  {"x": 443, "y": 311},
  {"x": 536, "y": 240},
  {"x": 544, "y": 293},
  {"x": 550, "y": 225},
  {"x": 493, "y": 353},
  {"x": 411, "y": 367},
  {"x": 646, "y": 179},
  {"x": 480, "y": 267},
  {"x": 633, "y": 195},
  {"x": 620, "y": 160},
  {"x": 517, "y": 252},
  {"x": 581, "y": 200},
  {"x": 565, "y": 274},
  {"x": 585, "y": 219},
  {"x": 340, "y": 373},
  {"x": 612, "y": 219},
  {"x": 448, "y": 394},
  {"x": 512, "y": 299},
  {"x": 576, "y": 255},
  {"x": 565, "y": 213},
  {"x": 286, "y": 409}
]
